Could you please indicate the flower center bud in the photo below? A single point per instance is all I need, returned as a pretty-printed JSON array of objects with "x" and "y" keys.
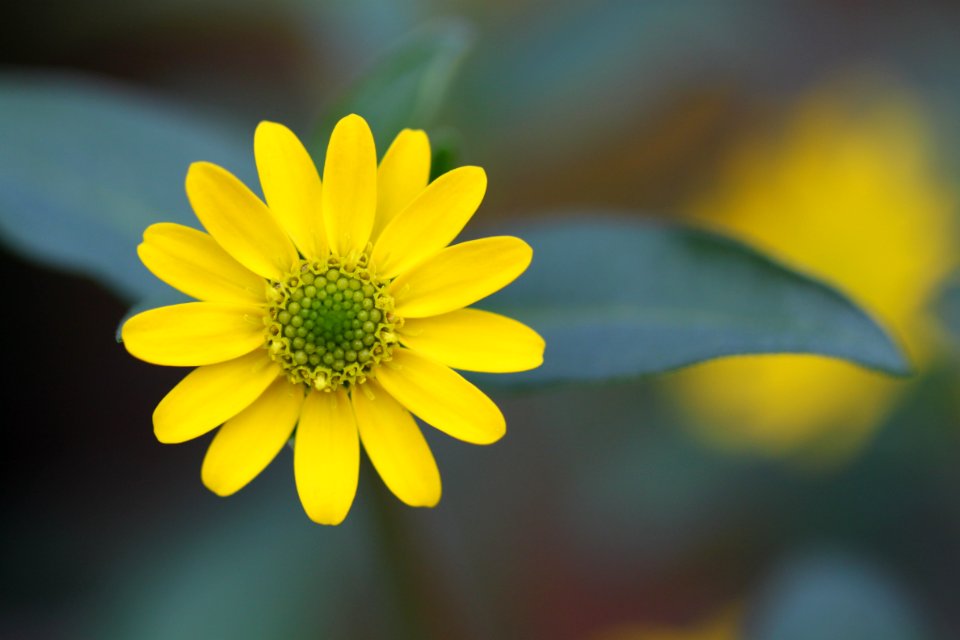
[{"x": 329, "y": 324}]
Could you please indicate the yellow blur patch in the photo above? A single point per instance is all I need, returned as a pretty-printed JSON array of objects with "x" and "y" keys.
[
  {"x": 722, "y": 627},
  {"x": 847, "y": 192}
]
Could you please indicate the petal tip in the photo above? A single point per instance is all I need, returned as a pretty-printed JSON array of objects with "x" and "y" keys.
[
  {"x": 475, "y": 177},
  {"x": 541, "y": 345},
  {"x": 525, "y": 252},
  {"x": 495, "y": 428},
  {"x": 267, "y": 128},
  {"x": 215, "y": 484},
  {"x": 495, "y": 435},
  {"x": 200, "y": 166},
  {"x": 157, "y": 228},
  {"x": 426, "y": 498},
  {"x": 164, "y": 431},
  {"x": 160, "y": 432},
  {"x": 416, "y": 136},
  {"x": 327, "y": 519},
  {"x": 433, "y": 501},
  {"x": 266, "y": 124},
  {"x": 352, "y": 120}
]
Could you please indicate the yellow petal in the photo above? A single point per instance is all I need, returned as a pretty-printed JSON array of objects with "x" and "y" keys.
[
  {"x": 239, "y": 221},
  {"x": 210, "y": 395},
  {"x": 475, "y": 340},
  {"x": 430, "y": 222},
  {"x": 442, "y": 398},
  {"x": 326, "y": 457},
  {"x": 350, "y": 186},
  {"x": 291, "y": 186},
  {"x": 192, "y": 262},
  {"x": 396, "y": 447},
  {"x": 194, "y": 333},
  {"x": 403, "y": 173},
  {"x": 249, "y": 441},
  {"x": 459, "y": 276}
]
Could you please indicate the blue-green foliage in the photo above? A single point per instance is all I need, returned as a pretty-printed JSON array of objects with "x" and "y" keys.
[
  {"x": 405, "y": 90},
  {"x": 84, "y": 168},
  {"x": 616, "y": 297},
  {"x": 831, "y": 595}
]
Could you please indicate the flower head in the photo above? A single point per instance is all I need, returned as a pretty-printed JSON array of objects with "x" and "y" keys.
[{"x": 330, "y": 313}]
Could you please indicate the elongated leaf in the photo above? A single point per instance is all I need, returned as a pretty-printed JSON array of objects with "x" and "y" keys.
[
  {"x": 85, "y": 167},
  {"x": 406, "y": 89},
  {"x": 616, "y": 298}
]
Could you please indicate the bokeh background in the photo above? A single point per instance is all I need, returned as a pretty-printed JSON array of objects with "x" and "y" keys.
[{"x": 773, "y": 497}]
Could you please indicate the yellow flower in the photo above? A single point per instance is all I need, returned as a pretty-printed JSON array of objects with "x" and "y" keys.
[
  {"x": 849, "y": 193},
  {"x": 334, "y": 311}
]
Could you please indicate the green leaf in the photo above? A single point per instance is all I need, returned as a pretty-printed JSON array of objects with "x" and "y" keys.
[
  {"x": 617, "y": 298},
  {"x": 86, "y": 167},
  {"x": 445, "y": 143},
  {"x": 405, "y": 90}
]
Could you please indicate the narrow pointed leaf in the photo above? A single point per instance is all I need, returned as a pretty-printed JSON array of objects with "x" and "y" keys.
[
  {"x": 617, "y": 298},
  {"x": 405, "y": 89},
  {"x": 85, "y": 167}
]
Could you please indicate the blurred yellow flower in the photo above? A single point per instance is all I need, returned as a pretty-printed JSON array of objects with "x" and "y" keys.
[
  {"x": 725, "y": 626},
  {"x": 333, "y": 310},
  {"x": 848, "y": 193}
]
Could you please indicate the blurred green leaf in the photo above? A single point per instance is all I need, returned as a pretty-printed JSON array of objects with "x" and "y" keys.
[
  {"x": 405, "y": 90},
  {"x": 828, "y": 595},
  {"x": 557, "y": 80},
  {"x": 445, "y": 143},
  {"x": 252, "y": 567},
  {"x": 948, "y": 309},
  {"x": 85, "y": 167},
  {"x": 616, "y": 298}
]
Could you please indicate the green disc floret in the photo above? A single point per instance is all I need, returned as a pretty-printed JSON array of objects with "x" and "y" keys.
[{"x": 330, "y": 324}]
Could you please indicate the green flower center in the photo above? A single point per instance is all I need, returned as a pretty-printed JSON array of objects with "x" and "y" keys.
[{"x": 330, "y": 324}]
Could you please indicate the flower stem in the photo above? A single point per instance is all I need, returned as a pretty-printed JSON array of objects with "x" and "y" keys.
[{"x": 403, "y": 564}]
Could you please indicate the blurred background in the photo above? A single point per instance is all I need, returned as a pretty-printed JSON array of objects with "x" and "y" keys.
[{"x": 771, "y": 497}]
